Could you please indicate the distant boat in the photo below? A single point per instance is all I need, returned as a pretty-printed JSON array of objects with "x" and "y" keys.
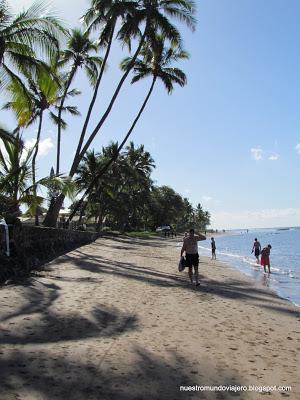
[{"x": 283, "y": 229}]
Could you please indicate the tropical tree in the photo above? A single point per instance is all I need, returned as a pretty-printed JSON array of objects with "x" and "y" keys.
[
  {"x": 77, "y": 55},
  {"x": 30, "y": 102},
  {"x": 119, "y": 195},
  {"x": 24, "y": 37},
  {"x": 16, "y": 186},
  {"x": 15, "y": 171},
  {"x": 102, "y": 18},
  {"x": 153, "y": 16},
  {"x": 157, "y": 62}
]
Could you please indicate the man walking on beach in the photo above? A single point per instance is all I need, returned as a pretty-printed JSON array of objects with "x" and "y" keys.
[
  {"x": 190, "y": 247},
  {"x": 256, "y": 249},
  {"x": 213, "y": 249}
]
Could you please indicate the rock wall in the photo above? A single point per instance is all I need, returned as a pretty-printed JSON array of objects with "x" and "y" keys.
[{"x": 33, "y": 246}]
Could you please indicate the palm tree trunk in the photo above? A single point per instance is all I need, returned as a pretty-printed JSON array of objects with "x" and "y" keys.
[
  {"x": 53, "y": 211},
  {"x": 2, "y": 49},
  {"x": 92, "y": 103},
  {"x": 108, "y": 164},
  {"x": 80, "y": 155},
  {"x": 33, "y": 166},
  {"x": 72, "y": 74},
  {"x": 82, "y": 210}
]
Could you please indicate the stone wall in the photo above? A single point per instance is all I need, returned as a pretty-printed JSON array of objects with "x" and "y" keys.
[{"x": 33, "y": 246}]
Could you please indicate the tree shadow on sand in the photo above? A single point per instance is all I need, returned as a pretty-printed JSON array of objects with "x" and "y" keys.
[
  {"x": 52, "y": 328},
  {"x": 149, "y": 377},
  {"x": 231, "y": 288}
]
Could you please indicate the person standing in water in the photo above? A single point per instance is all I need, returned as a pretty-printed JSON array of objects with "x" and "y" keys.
[
  {"x": 190, "y": 247},
  {"x": 256, "y": 249},
  {"x": 265, "y": 258},
  {"x": 213, "y": 249}
]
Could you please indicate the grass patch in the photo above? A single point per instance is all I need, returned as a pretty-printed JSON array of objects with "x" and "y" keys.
[{"x": 141, "y": 235}]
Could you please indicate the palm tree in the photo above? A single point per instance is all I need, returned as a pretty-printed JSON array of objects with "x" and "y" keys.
[
  {"x": 153, "y": 15},
  {"x": 25, "y": 35},
  {"x": 15, "y": 170},
  {"x": 30, "y": 102},
  {"x": 156, "y": 62},
  {"x": 122, "y": 191},
  {"x": 78, "y": 55},
  {"x": 104, "y": 15},
  {"x": 16, "y": 173}
]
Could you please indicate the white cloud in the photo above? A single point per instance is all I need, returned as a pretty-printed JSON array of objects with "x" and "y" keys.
[
  {"x": 297, "y": 147},
  {"x": 273, "y": 157},
  {"x": 45, "y": 145},
  {"x": 266, "y": 218},
  {"x": 257, "y": 153}
]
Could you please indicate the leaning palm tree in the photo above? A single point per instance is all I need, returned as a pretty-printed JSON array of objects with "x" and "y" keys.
[
  {"x": 156, "y": 62},
  {"x": 77, "y": 55},
  {"x": 24, "y": 37},
  {"x": 153, "y": 16},
  {"x": 102, "y": 17}
]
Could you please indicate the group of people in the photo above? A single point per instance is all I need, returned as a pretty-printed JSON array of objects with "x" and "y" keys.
[
  {"x": 263, "y": 253},
  {"x": 190, "y": 248}
]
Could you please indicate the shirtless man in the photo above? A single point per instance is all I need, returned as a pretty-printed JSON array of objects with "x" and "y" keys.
[
  {"x": 190, "y": 247},
  {"x": 256, "y": 249}
]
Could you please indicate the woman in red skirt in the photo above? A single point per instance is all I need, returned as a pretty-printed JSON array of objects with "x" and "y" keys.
[{"x": 265, "y": 257}]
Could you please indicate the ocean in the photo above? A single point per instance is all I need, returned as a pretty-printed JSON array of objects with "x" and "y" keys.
[{"x": 234, "y": 248}]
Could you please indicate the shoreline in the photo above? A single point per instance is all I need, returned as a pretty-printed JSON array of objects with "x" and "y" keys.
[
  {"x": 278, "y": 281},
  {"x": 115, "y": 319},
  {"x": 249, "y": 276}
]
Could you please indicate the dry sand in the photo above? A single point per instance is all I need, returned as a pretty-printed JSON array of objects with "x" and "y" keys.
[{"x": 116, "y": 320}]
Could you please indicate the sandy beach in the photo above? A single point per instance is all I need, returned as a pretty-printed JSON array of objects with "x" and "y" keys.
[{"x": 116, "y": 320}]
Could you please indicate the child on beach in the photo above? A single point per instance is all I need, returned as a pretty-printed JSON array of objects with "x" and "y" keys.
[
  {"x": 265, "y": 258},
  {"x": 213, "y": 249}
]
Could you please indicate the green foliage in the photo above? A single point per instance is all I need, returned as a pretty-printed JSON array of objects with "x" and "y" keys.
[
  {"x": 27, "y": 40},
  {"x": 125, "y": 197},
  {"x": 38, "y": 78}
]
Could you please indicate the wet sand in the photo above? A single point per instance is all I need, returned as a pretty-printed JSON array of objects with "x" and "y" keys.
[{"x": 116, "y": 320}]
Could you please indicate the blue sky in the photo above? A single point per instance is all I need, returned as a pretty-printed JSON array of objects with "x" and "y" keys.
[{"x": 228, "y": 139}]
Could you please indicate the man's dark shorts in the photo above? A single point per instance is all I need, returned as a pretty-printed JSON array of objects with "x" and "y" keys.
[
  {"x": 257, "y": 252},
  {"x": 192, "y": 260}
]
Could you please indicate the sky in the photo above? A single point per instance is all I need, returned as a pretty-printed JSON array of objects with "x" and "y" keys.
[{"x": 230, "y": 139}]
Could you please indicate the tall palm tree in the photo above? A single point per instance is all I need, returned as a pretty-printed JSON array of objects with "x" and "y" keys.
[
  {"x": 156, "y": 62},
  {"x": 24, "y": 36},
  {"x": 103, "y": 16},
  {"x": 154, "y": 15},
  {"x": 77, "y": 55}
]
